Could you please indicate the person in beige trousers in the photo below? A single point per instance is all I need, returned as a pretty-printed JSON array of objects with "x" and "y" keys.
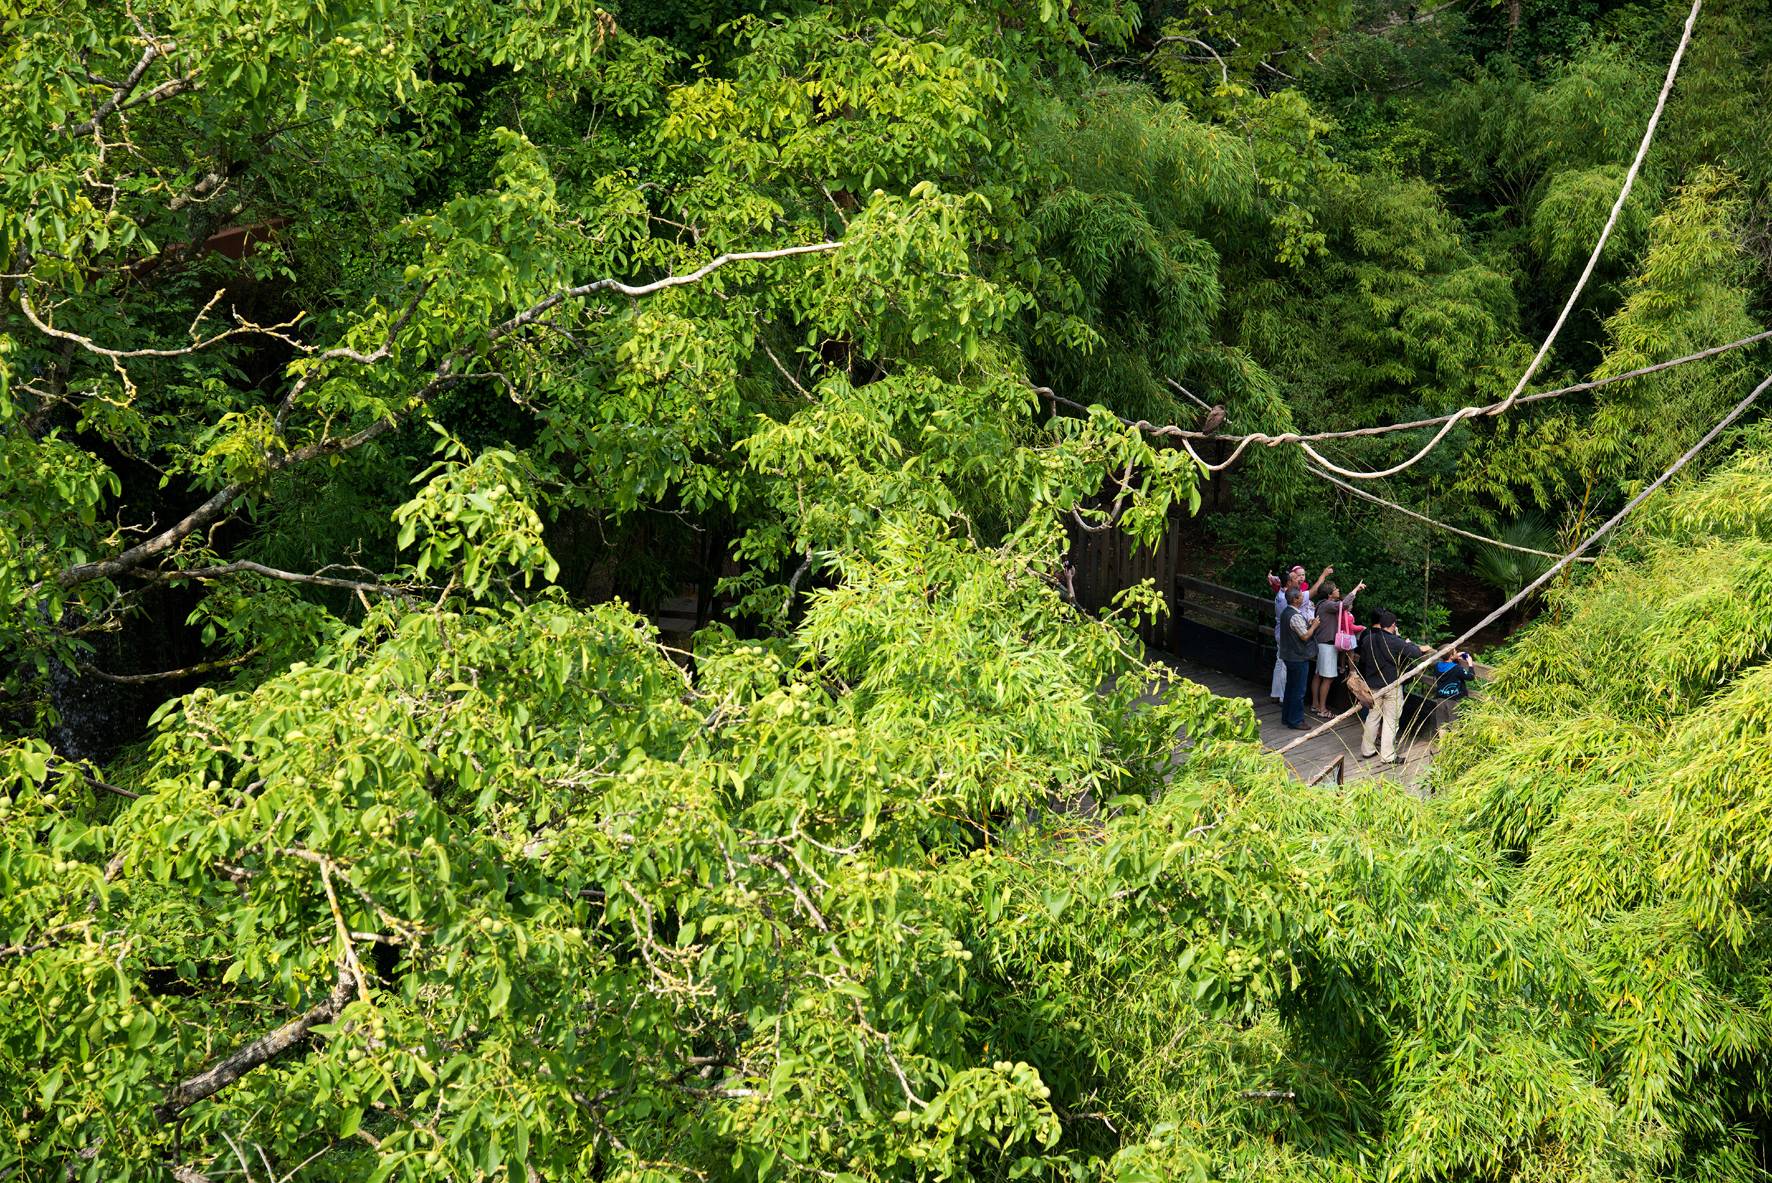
[{"x": 1384, "y": 656}]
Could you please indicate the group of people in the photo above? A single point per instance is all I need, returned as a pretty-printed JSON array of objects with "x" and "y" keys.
[{"x": 1316, "y": 634}]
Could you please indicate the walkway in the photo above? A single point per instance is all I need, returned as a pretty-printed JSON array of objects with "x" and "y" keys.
[{"x": 1309, "y": 760}]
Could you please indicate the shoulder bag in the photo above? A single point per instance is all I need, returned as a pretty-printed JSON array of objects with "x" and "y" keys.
[
  {"x": 1356, "y": 686},
  {"x": 1345, "y": 636}
]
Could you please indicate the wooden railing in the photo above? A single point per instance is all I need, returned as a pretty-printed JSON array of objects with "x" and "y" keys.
[
  {"x": 1225, "y": 608},
  {"x": 1109, "y": 562},
  {"x": 1224, "y": 628}
]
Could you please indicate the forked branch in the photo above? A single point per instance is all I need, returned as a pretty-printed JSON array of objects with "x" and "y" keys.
[{"x": 155, "y": 49}]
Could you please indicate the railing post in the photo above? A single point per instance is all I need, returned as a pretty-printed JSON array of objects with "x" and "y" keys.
[{"x": 1179, "y": 592}]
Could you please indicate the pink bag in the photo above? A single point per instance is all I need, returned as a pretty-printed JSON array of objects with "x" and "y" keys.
[{"x": 1347, "y": 636}]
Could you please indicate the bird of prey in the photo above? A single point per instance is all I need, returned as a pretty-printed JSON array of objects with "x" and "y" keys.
[{"x": 1213, "y": 421}]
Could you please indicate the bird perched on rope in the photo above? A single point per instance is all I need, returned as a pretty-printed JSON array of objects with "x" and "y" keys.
[{"x": 1213, "y": 421}]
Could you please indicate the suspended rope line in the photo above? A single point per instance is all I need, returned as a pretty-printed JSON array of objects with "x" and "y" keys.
[
  {"x": 1516, "y": 396},
  {"x": 1124, "y": 480},
  {"x": 1434, "y": 522},
  {"x": 1292, "y": 437},
  {"x": 1183, "y": 435},
  {"x": 1561, "y": 564},
  {"x": 1630, "y": 177}
]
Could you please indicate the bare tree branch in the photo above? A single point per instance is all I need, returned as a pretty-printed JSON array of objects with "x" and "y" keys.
[
  {"x": 109, "y": 107},
  {"x": 241, "y": 327},
  {"x": 210, "y": 511},
  {"x": 1124, "y": 482},
  {"x": 23, "y": 950},
  {"x": 172, "y": 86},
  {"x": 1224, "y": 73},
  {"x": 891, "y": 1058},
  {"x": 51, "y": 936},
  {"x": 344, "y": 932},
  {"x": 259, "y": 1051},
  {"x": 800, "y": 897},
  {"x": 205, "y": 190},
  {"x": 786, "y": 373},
  {"x": 799, "y": 574},
  {"x": 189, "y": 671},
  {"x": 77, "y": 769},
  {"x": 345, "y": 354},
  {"x": 205, "y": 574}
]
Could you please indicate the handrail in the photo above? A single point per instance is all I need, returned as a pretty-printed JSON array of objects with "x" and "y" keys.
[
  {"x": 1338, "y": 766},
  {"x": 1188, "y": 609},
  {"x": 1229, "y": 593}
]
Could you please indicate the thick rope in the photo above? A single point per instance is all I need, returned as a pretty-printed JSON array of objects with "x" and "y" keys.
[
  {"x": 1317, "y": 472},
  {"x": 1113, "y": 518},
  {"x": 1560, "y": 565},
  {"x": 1184, "y": 435},
  {"x": 1630, "y": 177},
  {"x": 1490, "y": 409}
]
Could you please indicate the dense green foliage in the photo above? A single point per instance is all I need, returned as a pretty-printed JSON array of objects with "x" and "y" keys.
[{"x": 357, "y": 823}]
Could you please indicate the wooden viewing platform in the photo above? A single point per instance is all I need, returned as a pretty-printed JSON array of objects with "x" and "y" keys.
[
  {"x": 1311, "y": 760},
  {"x": 1223, "y": 638}
]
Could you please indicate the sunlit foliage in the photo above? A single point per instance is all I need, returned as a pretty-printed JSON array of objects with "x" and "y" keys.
[{"x": 373, "y": 375}]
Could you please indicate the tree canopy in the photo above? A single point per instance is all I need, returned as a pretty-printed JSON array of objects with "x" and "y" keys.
[{"x": 373, "y": 375}]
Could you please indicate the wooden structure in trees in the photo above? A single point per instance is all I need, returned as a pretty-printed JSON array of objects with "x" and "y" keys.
[
  {"x": 1225, "y": 629},
  {"x": 1330, "y": 758},
  {"x": 1108, "y": 562}
]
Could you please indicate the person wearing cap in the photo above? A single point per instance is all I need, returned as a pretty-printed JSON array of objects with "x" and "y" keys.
[
  {"x": 1294, "y": 578},
  {"x": 1453, "y": 678}
]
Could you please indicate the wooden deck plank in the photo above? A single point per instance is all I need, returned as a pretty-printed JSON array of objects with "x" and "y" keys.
[{"x": 1311, "y": 758}]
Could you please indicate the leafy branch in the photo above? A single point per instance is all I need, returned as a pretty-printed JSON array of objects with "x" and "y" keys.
[{"x": 447, "y": 373}]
